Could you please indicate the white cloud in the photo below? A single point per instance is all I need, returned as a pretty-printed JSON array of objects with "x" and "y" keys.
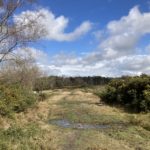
[
  {"x": 121, "y": 66},
  {"x": 117, "y": 54},
  {"x": 71, "y": 65},
  {"x": 99, "y": 35},
  {"x": 54, "y": 26},
  {"x": 32, "y": 52},
  {"x": 124, "y": 34}
]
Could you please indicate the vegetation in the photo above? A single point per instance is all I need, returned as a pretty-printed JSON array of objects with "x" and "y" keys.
[
  {"x": 31, "y": 129},
  {"x": 17, "y": 137},
  {"x": 17, "y": 78},
  {"x": 14, "y": 32},
  {"x": 18, "y": 69},
  {"x": 130, "y": 92},
  {"x": 26, "y": 110},
  {"x": 54, "y": 82},
  {"x": 15, "y": 98},
  {"x": 42, "y": 96}
]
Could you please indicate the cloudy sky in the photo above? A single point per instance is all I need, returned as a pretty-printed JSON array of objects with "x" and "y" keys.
[{"x": 92, "y": 37}]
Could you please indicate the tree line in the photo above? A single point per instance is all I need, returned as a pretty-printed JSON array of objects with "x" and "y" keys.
[{"x": 52, "y": 82}]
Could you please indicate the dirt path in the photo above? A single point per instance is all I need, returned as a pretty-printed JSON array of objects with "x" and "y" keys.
[{"x": 79, "y": 106}]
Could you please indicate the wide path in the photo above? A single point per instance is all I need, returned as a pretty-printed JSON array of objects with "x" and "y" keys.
[{"x": 79, "y": 106}]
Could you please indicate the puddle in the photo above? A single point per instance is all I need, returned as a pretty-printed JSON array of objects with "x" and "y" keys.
[{"x": 67, "y": 124}]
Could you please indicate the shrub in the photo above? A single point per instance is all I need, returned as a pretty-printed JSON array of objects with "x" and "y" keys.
[
  {"x": 14, "y": 98},
  {"x": 42, "y": 96},
  {"x": 131, "y": 92}
]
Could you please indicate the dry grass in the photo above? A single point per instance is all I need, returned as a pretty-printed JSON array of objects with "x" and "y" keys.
[{"x": 78, "y": 105}]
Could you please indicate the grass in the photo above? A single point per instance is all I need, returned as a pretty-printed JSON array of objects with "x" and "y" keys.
[
  {"x": 81, "y": 112},
  {"x": 17, "y": 137},
  {"x": 30, "y": 130}
]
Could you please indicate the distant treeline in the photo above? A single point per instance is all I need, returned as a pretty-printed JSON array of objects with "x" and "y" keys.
[{"x": 52, "y": 82}]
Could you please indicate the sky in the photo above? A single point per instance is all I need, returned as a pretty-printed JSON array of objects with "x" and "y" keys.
[{"x": 91, "y": 37}]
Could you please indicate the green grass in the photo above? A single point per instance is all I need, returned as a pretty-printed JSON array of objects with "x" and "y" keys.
[
  {"x": 80, "y": 112},
  {"x": 135, "y": 136},
  {"x": 19, "y": 137},
  {"x": 30, "y": 130}
]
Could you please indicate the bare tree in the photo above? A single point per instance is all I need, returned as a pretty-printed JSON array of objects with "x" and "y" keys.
[
  {"x": 14, "y": 34},
  {"x": 21, "y": 69}
]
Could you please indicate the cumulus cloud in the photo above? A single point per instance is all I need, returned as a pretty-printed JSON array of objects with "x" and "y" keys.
[
  {"x": 115, "y": 67},
  {"x": 124, "y": 34},
  {"x": 62, "y": 59},
  {"x": 117, "y": 54},
  {"x": 53, "y": 26},
  {"x": 32, "y": 52}
]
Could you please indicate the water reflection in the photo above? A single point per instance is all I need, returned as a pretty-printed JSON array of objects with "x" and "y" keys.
[{"x": 66, "y": 124}]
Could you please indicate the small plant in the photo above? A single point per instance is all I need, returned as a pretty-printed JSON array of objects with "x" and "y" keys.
[{"x": 42, "y": 96}]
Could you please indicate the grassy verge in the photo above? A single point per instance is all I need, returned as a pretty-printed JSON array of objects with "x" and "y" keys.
[
  {"x": 30, "y": 130},
  {"x": 81, "y": 112},
  {"x": 17, "y": 137}
]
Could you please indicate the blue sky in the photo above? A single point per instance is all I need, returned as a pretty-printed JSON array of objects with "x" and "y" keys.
[
  {"x": 99, "y": 12},
  {"x": 94, "y": 37}
]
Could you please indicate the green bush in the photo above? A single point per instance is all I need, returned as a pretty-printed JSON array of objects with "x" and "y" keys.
[
  {"x": 42, "y": 96},
  {"x": 130, "y": 92},
  {"x": 14, "y": 98}
]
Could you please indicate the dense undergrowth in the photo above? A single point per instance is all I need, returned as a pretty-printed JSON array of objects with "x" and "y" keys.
[
  {"x": 15, "y": 98},
  {"x": 132, "y": 93}
]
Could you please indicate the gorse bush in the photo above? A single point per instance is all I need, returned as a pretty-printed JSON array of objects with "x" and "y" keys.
[
  {"x": 15, "y": 98},
  {"x": 42, "y": 96},
  {"x": 131, "y": 92}
]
